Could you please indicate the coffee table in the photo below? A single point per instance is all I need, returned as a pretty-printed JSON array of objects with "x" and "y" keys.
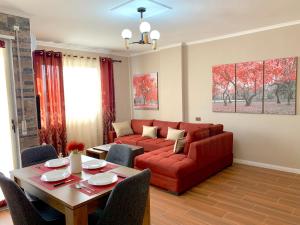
[{"x": 101, "y": 151}]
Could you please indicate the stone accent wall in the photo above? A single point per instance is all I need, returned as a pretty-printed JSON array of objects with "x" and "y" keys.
[{"x": 7, "y": 23}]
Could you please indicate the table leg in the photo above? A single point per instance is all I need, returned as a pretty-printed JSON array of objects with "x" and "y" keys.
[
  {"x": 78, "y": 216},
  {"x": 146, "y": 220}
]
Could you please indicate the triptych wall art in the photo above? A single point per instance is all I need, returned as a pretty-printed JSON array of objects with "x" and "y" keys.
[
  {"x": 256, "y": 87},
  {"x": 145, "y": 91}
]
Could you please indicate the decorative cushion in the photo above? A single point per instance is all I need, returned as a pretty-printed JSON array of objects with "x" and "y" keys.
[
  {"x": 122, "y": 128},
  {"x": 163, "y": 127},
  {"x": 213, "y": 129},
  {"x": 174, "y": 134},
  {"x": 193, "y": 136},
  {"x": 179, "y": 145},
  {"x": 149, "y": 132},
  {"x": 137, "y": 125}
]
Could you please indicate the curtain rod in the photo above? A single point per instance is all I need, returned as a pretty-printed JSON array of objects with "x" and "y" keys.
[{"x": 76, "y": 56}]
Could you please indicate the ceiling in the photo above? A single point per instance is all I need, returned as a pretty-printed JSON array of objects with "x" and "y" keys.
[{"x": 92, "y": 24}]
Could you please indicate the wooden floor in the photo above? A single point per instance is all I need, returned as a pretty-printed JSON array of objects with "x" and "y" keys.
[{"x": 238, "y": 195}]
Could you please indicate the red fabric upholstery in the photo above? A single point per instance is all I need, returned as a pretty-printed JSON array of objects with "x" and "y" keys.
[
  {"x": 137, "y": 125},
  {"x": 179, "y": 172},
  {"x": 213, "y": 129},
  {"x": 185, "y": 183},
  {"x": 211, "y": 149},
  {"x": 155, "y": 143},
  {"x": 163, "y": 161},
  {"x": 208, "y": 150},
  {"x": 194, "y": 135},
  {"x": 131, "y": 139},
  {"x": 163, "y": 127}
]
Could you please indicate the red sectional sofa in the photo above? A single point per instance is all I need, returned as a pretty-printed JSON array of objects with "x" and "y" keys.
[{"x": 208, "y": 149}]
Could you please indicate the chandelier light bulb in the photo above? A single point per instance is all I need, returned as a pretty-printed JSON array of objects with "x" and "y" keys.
[
  {"x": 126, "y": 34},
  {"x": 154, "y": 35},
  {"x": 145, "y": 27}
]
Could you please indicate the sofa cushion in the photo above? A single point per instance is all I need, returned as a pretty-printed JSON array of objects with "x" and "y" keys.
[
  {"x": 137, "y": 125},
  {"x": 216, "y": 129},
  {"x": 131, "y": 139},
  {"x": 174, "y": 134},
  {"x": 195, "y": 135},
  {"x": 163, "y": 127},
  {"x": 164, "y": 161},
  {"x": 150, "y": 132},
  {"x": 122, "y": 128},
  {"x": 151, "y": 144},
  {"x": 213, "y": 129}
]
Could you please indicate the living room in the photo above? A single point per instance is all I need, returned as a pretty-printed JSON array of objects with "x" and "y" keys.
[{"x": 214, "y": 70}]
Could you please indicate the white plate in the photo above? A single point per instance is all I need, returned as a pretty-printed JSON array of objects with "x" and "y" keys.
[
  {"x": 55, "y": 175},
  {"x": 94, "y": 164},
  {"x": 101, "y": 179},
  {"x": 53, "y": 163}
]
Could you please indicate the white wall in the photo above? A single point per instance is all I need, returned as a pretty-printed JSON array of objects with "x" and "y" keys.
[{"x": 168, "y": 64}]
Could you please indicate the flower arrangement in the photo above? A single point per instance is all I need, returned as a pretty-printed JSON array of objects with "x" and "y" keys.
[{"x": 75, "y": 147}]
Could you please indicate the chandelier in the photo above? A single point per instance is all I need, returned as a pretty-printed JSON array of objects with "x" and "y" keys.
[{"x": 145, "y": 29}]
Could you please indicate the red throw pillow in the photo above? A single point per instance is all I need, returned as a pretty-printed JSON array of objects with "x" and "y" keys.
[
  {"x": 137, "y": 125},
  {"x": 193, "y": 136}
]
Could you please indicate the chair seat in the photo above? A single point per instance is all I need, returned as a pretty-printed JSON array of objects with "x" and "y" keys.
[{"x": 49, "y": 214}]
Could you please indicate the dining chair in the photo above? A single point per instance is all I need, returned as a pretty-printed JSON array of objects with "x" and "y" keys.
[
  {"x": 126, "y": 204},
  {"x": 120, "y": 154},
  {"x": 38, "y": 154},
  {"x": 23, "y": 212}
]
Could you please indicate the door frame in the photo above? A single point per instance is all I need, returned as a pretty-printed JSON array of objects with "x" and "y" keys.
[{"x": 13, "y": 105}]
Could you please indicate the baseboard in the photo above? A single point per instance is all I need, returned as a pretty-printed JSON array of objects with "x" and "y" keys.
[{"x": 267, "y": 166}]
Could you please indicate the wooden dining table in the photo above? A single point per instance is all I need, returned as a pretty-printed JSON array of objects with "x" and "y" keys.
[{"x": 74, "y": 204}]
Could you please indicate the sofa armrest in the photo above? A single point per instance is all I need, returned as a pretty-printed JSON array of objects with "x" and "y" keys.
[
  {"x": 111, "y": 136},
  {"x": 210, "y": 149}
]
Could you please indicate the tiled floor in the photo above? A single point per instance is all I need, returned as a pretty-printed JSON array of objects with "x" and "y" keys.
[{"x": 238, "y": 195}]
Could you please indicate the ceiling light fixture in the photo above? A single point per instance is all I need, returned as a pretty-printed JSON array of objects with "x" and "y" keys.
[{"x": 145, "y": 29}]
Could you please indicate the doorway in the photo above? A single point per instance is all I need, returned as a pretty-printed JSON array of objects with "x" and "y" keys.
[{"x": 8, "y": 125}]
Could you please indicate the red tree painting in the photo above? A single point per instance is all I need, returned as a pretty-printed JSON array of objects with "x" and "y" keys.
[
  {"x": 280, "y": 86},
  {"x": 145, "y": 91},
  {"x": 249, "y": 87},
  {"x": 223, "y": 88}
]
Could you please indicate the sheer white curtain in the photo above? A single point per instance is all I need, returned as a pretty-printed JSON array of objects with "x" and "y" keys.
[{"x": 82, "y": 88}]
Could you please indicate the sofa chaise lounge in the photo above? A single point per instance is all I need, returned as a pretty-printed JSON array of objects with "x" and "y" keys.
[{"x": 208, "y": 149}]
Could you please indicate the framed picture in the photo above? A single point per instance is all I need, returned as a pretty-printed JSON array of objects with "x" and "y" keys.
[
  {"x": 249, "y": 87},
  {"x": 280, "y": 86},
  {"x": 223, "y": 96},
  {"x": 145, "y": 91}
]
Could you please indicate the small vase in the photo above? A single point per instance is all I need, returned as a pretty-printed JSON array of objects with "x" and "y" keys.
[{"x": 75, "y": 162}]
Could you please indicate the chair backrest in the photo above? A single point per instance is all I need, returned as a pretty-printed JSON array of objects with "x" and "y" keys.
[
  {"x": 120, "y": 154},
  {"x": 39, "y": 154},
  {"x": 21, "y": 210},
  {"x": 127, "y": 202}
]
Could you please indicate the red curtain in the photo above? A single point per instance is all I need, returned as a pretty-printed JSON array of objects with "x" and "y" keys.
[
  {"x": 48, "y": 73},
  {"x": 2, "y": 44},
  {"x": 108, "y": 96}
]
